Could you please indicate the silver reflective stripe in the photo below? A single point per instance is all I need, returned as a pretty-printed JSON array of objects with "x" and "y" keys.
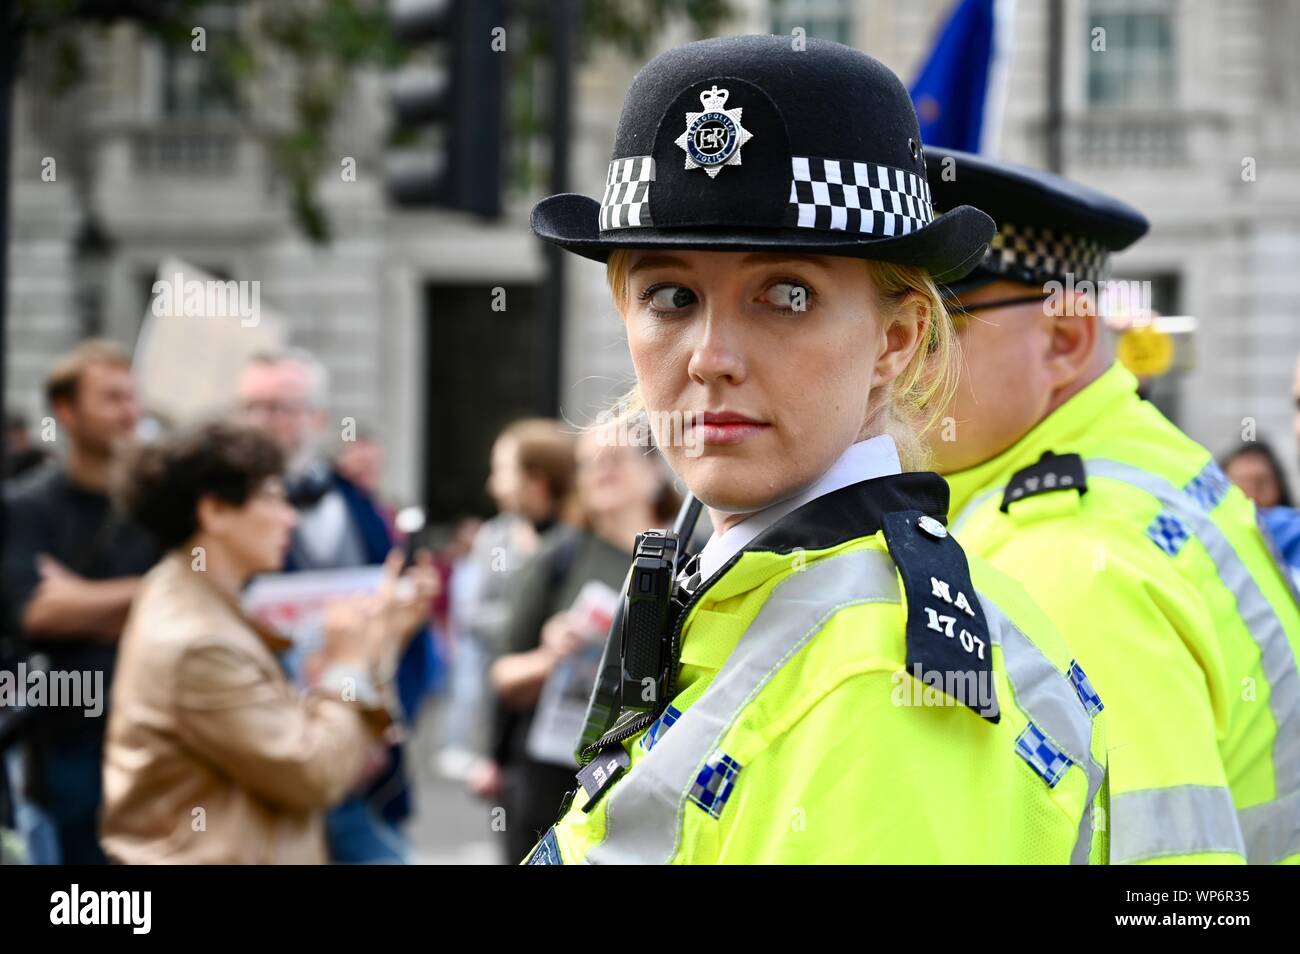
[
  {"x": 643, "y": 820},
  {"x": 1272, "y": 830},
  {"x": 1171, "y": 822},
  {"x": 1046, "y": 696},
  {"x": 1257, "y": 613},
  {"x": 971, "y": 508}
]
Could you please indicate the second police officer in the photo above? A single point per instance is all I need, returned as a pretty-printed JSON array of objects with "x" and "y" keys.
[{"x": 1121, "y": 528}]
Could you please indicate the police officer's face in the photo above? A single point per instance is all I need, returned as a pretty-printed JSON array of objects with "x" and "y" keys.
[
  {"x": 1006, "y": 377},
  {"x": 774, "y": 360}
]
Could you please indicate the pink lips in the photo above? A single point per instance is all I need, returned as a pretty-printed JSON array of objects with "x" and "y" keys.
[{"x": 725, "y": 427}]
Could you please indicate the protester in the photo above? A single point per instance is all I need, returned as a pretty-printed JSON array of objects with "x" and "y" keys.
[
  {"x": 71, "y": 567},
  {"x": 622, "y": 490},
  {"x": 531, "y": 477},
  {"x": 361, "y": 461},
  {"x": 1281, "y": 519},
  {"x": 339, "y": 525},
  {"x": 212, "y": 756},
  {"x": 1254, "y": 468},
  {"x": 460, "y": 733}
]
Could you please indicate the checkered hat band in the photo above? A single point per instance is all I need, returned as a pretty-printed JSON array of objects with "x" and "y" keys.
[
  {"x": 1033, "y": 253},
  {"x": 627, "y": 193},
  {"x": 863, "y": 197}
]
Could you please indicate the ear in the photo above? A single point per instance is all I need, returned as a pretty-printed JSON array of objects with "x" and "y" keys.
[
  {"x": 903, "y": 333},
  {"x": 63, "y": 412},
  {"x": 1074, "y": 335}
]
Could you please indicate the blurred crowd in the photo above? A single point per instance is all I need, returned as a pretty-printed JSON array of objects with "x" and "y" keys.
[
  {"x": 225, "y": 738},
  {"x": 228, "y": 738}
]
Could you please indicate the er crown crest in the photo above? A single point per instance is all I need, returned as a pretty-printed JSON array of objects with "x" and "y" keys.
[{"x": 714, "y": 99}]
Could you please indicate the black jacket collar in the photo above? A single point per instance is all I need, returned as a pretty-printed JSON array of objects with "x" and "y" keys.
[{"x": 854, "y": 511}]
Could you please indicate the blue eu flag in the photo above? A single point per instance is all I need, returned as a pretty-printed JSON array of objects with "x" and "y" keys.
[{"x": 952, "y": 93}]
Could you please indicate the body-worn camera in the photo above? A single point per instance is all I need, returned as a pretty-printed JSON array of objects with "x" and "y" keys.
[
  {"x": 633, "y": 682},
  {"x": 647, "y": 623}
]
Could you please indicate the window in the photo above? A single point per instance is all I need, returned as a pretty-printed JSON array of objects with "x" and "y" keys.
[
  {"x": 1137, "y": 66},
  {"x": 823, "y": 19},
  {"x": 200, "y": 82}
]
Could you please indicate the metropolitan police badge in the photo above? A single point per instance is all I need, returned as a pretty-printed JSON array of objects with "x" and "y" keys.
[{"x": 713, "y": 138}]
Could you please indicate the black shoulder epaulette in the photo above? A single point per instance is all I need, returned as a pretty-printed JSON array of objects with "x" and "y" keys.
[
  {"x": 948, "y": 644},
  {"x": 1052, "y": 472}
]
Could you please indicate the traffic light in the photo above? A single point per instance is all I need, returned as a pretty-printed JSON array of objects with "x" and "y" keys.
[{"x": 463, "y": 96}]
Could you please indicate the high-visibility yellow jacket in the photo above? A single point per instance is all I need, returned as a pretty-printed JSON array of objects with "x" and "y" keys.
[
  {"x": 814, "y": 718},
  {"x": 1159, "y": 577}
]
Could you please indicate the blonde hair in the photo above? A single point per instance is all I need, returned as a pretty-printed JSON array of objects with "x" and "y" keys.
[{"x": 916, "y": 397}]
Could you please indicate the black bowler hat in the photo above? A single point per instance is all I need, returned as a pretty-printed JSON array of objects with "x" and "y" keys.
[
  {"x": 1049, "y": 228},
  {"x": 748, "y": 144}
]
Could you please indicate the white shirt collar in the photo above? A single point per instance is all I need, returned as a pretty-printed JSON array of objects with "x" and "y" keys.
[{"x": 874, "y": 457}]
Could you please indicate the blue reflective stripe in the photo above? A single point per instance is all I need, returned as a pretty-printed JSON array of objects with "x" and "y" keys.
[
  {"x": 1042, "y": 754},
  {"x": 547, "y": 851},
  {"x": 1209, "y": 487},
  {"x": 1052, "y": 706},
  {"x": 659, "y": 727},
  {"x": 1277, "y": 659},
  {"x": 1083, "y": 688},
  {"x": 713, "y": 785},
  {"x": 1168, "y": 532}
]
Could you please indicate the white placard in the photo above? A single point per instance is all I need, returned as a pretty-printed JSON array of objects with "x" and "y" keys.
[
  {"x": 293, "y": 604},
  {"x": 562, "y": 709}
]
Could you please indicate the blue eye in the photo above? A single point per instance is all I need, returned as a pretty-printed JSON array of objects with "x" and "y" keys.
[{"x": 669, "y": 297}]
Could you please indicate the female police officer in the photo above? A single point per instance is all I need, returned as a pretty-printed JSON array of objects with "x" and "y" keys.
[{"x": 772, "y": 251}]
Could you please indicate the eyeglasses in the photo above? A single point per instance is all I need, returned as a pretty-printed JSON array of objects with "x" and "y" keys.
[
  {"x": 272, "y": 490},
  {"x": 960, "y": 310}
]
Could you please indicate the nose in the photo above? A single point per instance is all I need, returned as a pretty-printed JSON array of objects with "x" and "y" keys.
[{"x": 716, "y": 355}]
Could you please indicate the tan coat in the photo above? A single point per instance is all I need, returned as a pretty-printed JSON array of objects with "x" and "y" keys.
[{"x": 212, "y": 755}]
